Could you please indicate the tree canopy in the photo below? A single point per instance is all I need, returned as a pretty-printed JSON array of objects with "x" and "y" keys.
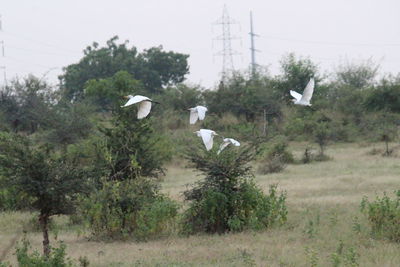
[{"x": 154, "y": 67}]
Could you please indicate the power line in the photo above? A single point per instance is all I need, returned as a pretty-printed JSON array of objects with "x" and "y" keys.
[
  {"x": 330, "y": 43},
  {"x": 36, "y": 51},
  {"x": 43, "y": 43},
  {"x": 29, "y": 63}
]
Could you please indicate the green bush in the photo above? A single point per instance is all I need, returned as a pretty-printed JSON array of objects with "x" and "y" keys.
[
  {"x": 384, "y": 216},
  {"x": 228, "y": 199},
  {"x": 156, "y": 218},
  {"x": 56, "y": 258},
  {"x": 248, "y": 208},
  {"x": 278, "y": 147},
  {"x": 272, "y": 164},
  {"x": 275, "y": 156},
  {"x": 128, "y": 209}
]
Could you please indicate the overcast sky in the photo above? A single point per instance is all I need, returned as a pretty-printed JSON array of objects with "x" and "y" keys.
[{"x": 42, "y": 36}]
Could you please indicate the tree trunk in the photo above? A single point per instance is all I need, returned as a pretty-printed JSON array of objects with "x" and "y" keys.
[
  {"x": 321, "y": 149},
  {"x": 44, "y": 223},
  {"x": 387, "y": 147}
]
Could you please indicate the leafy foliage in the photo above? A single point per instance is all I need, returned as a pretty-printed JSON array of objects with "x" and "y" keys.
[
  {"x": 106, "y": 93},
  {"x": 357, "y": 76},
  {"x": 49, "y": 178},
  {"x": 154, "y": 67},
  {"x": 24, "y": 102},
  {"x": 56, "y": 258},
  {"x": 228, "y": 199},
  {"x": 244, "y": 96},
  {"x": 385, "y": 97},
  {"x": 296, "y": 73},
  {"x": 275, "y": 156},
  {"x": 384, "y": 216},
  {"x": 182, "y": 97},
  {"x": 130, "y": 147},
  {"x": 70, "y": 124},
  {"x": 126, "y": 209}
]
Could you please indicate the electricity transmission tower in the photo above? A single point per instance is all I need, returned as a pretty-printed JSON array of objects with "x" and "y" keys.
[
  {"x": 252, "y": 48},
  {"x": 227, "y": 52}
]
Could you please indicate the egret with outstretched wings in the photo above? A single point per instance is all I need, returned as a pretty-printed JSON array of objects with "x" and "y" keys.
[
  {"x": 304, "y": 100},
  {"x": 226, "y": 142},
  {"x": 198, "y": 112},
  {"x": 207, "y": 136},
  {"x": 144, "y": 104}
]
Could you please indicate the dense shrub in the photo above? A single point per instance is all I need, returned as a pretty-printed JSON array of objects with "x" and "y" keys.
[
  {"x": 384, "y": 216},
  {"x": 128, "y": 209},
  {"x": 275, "y": 156},
  {"x": 272, "y": 164},
  {"x": 56, "y": 258},
  {"x": 228, "y": 199}
]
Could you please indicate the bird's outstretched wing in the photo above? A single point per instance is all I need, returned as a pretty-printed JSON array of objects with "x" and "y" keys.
[
  {"x": 296, "y": 95},
  {"x": 308, "y": 92},
  {"x": 227, "y": 142},
  {"x": 130, "y": 102},
  {"x": 193, "y": 116},
  {"x": 234, "y": 142},
  {"x": 144, "y": 109},
  {"x": 207, "y": 138},
  {"x": 202, "y": 112},
  {"x": 134, "y": 100},
  {"x": 223, "y": 146}
]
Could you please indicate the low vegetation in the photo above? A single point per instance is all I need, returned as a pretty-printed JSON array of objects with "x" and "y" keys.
[{"x": 384, "y": 216}]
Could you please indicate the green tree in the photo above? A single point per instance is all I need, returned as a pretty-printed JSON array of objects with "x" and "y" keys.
[
  {"x": 246, "y": 96},
  {"x": 131, "y": 147},
  {"x": 181, "y": 97},
  {"x": 106, "y": 93},
  {"x": 68, "y": 123},
  {"x": 50, "y": 178},
  {"x": 358, "y": 76},
  {"x": 385, "y": 96},
  {"x": 385, "y": 126},
  {"x": 153, "y": 67},
  {"x": 296, "y": 73},
  {"x": 24, "y": 102}
]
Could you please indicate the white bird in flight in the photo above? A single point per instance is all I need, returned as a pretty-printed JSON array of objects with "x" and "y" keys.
[
  {"x": 144, "y": 104},
  {"x": 198, "y": 112},
  {"x": 226, "y": 142},
  {"x": 304, "y": 100},
  {"x": 207, "y": 136}
]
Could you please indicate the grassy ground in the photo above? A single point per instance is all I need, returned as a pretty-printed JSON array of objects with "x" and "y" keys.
[{"x": 324, "y": 228}]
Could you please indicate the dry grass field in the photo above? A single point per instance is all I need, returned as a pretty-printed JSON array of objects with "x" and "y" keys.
[{"x": 325, "y": 226}]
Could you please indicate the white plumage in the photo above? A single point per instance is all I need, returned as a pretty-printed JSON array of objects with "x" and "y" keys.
[
  {"x": 207, "y": 136},
  {"x": 304, "y": 100},
  {"x": 198, "y": 112},
  {"x": 226, "y": 142},
  {"x": 144, "y": 105}
]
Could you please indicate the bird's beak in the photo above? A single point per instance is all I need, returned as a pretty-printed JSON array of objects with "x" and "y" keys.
[{"x": 125, "y": 96}]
